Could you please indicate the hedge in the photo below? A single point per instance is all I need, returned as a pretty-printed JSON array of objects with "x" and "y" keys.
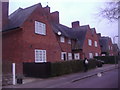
[
  {"x": 108, "y": 59},
  {"x": 66, "y": 67}
]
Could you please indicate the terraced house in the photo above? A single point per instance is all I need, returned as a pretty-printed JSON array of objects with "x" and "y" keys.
[
  {"x": 34, "y": 34},
  {"x": 106, "y": 45},
  {"x": 87, "y": 41}
]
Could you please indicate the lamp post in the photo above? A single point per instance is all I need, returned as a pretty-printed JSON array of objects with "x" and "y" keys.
[{"x": 114, "y": 55}]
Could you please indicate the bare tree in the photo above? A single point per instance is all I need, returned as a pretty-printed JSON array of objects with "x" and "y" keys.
[{"x": 111, "y": 11}]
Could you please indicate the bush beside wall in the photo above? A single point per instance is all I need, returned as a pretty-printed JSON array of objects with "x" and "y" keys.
[
  {"x": 66, "y": 67},
  {"x": 108, "y": 59}
]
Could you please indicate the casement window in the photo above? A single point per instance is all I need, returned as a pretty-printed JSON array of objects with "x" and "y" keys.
[
  {"x": 63, "y": 56},
  {"x": 90, "y": 55},
  {"x": 40, "y": 28},
  {"x": 89, "y": 42},
  {"x": 96, "y": 54},
  {"x": 95, "y": 43},
  {"x": 69, "y": 41},
  {"x": 69, "y": 56},
  {"x": 103, "y": 55},
  {"x": 40, "y": 55},
  {"x": 62, "y": 39},
  {"x": 76, "y": 56},
  {"x": 111, "y": 47}
]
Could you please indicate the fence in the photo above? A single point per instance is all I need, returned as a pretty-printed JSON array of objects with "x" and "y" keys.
[{"x": 41, "y": 70}]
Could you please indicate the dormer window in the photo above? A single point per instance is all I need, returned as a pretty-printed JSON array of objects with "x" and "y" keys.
[
  {"x": 62, "y": 39},
  {"x": 40, "y": 28}
]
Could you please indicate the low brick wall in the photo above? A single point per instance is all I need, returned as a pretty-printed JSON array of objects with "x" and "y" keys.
[{"x": 6, "y": 79}]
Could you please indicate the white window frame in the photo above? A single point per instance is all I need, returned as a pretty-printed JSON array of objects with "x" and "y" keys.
[
  {"x": 40, "y": 55},
  {"x": 90, "y": 55},
  {"x": 89, "y": 42},
  {"x": 95, "y": 42},
  {"x": 69, "y": 56},
  {"x": 40, "y": 28},
  {"x": 62, "y": 55},
  {"x": 103, "y": 55},
  {"x": 69, "y": 41},
  {"x": 96, "y": 54},
  {"x": 76, "y": 56},
  {"x": 111, "y": 48},
  {"x": 62, "y": 39}
]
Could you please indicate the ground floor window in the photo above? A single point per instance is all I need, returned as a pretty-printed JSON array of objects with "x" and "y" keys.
[
  {"x": 69, "y": 56},
  {"x": 76, "y": 56},
  {"x": 90, "y": 55},
  {"x": 96, "y": 54},
  {"x": 63, "y": 55},
  {"x": 40, "y": 55}
]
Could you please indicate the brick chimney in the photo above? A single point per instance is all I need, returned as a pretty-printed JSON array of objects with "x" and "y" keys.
[
  {"x": 4, "y": 6},
  {"x": 55, "y": 17},
  {"x": 99, "y": 35},
  {"x": 75, "y": 24},
  {"x": 47, "y": 9}
]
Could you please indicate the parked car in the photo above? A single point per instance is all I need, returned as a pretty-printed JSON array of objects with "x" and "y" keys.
[{"x": 99, "y": 63}]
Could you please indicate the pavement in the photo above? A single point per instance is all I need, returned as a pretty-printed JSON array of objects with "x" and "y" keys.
[{"x": 66, "y": 78}]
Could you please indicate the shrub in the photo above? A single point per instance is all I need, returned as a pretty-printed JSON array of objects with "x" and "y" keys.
[
  {"x": 66, "y": 67},
  {"x": 108, "y": 59}
]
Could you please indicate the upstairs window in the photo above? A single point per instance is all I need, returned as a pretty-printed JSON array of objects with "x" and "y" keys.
[
  {"x": 62, "y": 39},
  {"x": 95, "y": 43},
  {"x": 40, "y": 28},
  {"x": 69, "y": 41},
  {"x": 89, "y": 42}
]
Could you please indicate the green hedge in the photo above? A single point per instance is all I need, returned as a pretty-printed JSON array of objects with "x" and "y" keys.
[
  {"x": 66, "y": 67},
  {"x": 108, "y": 59}
]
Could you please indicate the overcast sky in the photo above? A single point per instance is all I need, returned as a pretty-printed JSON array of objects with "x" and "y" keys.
[{"x": 75, "y": 10}]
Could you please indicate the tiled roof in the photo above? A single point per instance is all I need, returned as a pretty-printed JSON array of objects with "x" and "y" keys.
[
  {"x": 115, "y": 47},
  {"x": 73, "y": 33},
  {"x": 17, "y": 18},
  {"x": 104, "y": 44}
]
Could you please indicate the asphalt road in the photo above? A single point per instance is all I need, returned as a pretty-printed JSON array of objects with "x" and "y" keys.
[{"x": 106, "y": 80}]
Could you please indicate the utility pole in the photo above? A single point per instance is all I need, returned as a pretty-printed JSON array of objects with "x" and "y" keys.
[{"x": 114, "y": 55}]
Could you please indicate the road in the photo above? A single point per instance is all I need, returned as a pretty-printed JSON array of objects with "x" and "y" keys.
[{"x": 108, "y": 79}]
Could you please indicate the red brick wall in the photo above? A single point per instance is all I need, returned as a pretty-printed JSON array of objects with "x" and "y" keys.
[
  {"x": 111, "y": 47},
  {"x": 91, "y": 49},
  {"x": 4, "y": 7},
  {"x": 12, "y": 46},
  {"x": 32, "y": 41}
]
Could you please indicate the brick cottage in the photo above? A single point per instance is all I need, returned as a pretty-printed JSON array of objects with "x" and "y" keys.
[{"x": 34, "y": 34}]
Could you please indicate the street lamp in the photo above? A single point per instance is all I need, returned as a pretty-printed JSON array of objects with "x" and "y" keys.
[{"x": 114, "y": 43}]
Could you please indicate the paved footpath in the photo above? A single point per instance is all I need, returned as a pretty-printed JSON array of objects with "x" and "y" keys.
[{"x": 61, "y": 80}]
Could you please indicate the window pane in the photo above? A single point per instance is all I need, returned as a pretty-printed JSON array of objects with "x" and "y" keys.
[
  {"x": 62, "y": 39},
  {"x": 40, "y": 28},
  {"x": 40, "y": 55}
]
